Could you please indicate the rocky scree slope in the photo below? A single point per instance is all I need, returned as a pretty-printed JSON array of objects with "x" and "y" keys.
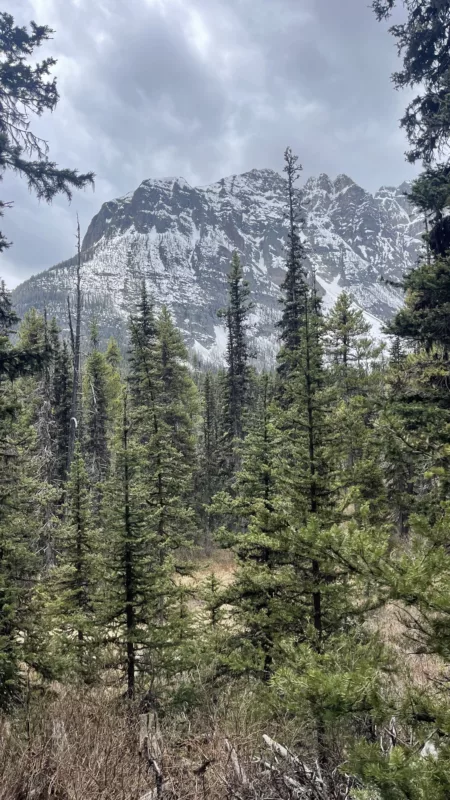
[{"x": 179, "y": 239}]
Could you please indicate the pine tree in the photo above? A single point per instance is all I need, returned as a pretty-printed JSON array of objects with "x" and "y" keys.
[
  {"x": 236, "y": 382},
  {"x": 147, "y": 499},
  {"x": 294, "y": 286},
  {"x": 96, "y": 377},
  {"x": 329, "y": 576},
  {"x": 348, "y": 346},
  {"x": 141, "y": 353},
  {"x": 125, "y": 609},
  {"x": 208, "y": 476},
  {"x": 62, "y": 405},
  {"x": 35, "y": 334},
  {"x": 401, "y": 462},
  {"x": 18, "y": 506},
  {"x": 73, "y": 582},
  {"x": 18, "y": 546},
  {"x": 356, "y": 384},
  {"x": 164, "y": 404},
  {"x": 318, "y": 599},
  {"x": 256, "y": 530},
  {"x": 178, "y": 396},
  {"x": 114, "y": 382}
]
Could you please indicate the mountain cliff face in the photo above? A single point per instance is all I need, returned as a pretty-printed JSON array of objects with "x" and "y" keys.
[{"x": 179, "y": 239}]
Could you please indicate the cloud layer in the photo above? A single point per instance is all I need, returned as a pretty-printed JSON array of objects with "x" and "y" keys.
[{"x": 203, "y": 89}]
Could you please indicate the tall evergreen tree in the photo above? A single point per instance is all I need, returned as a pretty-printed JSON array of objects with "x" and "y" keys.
[
  {"x": 125, "y": 602},
  {"x": 356, "y": 390},
  {"x": 256, "y": 530},
  {"x": 75, "y": 408},
  {"x": 294, "y": 286},
  {"x": 73, "y": 582},
  {"x": 141, "y": 353},
  {"x": 96, "y": 375},
  {"x": 148, "y": 497},
  {"x": 209, "y": 461},
  {"x": 236, "y": 380},
  {"x": 62, "y": 404}
]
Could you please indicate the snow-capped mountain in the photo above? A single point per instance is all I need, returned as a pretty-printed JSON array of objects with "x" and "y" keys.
[{"x": 179, "y": 239}]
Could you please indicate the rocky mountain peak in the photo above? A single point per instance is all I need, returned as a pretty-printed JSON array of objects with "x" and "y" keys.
[
  {"x": 179, "y": 239},
  {"x": 343, "y": 182}
]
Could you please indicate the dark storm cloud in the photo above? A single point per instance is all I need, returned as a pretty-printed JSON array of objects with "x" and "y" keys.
[{"x": 204, "y": 88}]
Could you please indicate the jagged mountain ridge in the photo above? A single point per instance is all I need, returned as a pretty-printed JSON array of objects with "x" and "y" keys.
[{"x": 180, "y": 238}]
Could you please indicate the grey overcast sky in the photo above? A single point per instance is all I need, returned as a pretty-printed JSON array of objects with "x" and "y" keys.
[{"x": 204, "y": 89}]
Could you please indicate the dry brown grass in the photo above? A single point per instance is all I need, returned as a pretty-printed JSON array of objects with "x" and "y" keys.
[
  {"x": 75, "y": 747},
  {"x": 85, "y": 746},
  {"x": 220, "y": 563},
  {"x": 393, "y": 623}
]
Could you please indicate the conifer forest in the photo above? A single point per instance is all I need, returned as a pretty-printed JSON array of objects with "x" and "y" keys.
[{"x": 229, "y": 583}]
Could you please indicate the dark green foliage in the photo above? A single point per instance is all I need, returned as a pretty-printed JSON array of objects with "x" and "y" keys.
[
  {"x": 142, "y": 343},
  {"x": 294, "y": 286},
  {"x": 96, "y": 374},
  {"x": 423, "y": 43},
  {"x": 209, "y": 469},
  {"x": 73, "y": 582},
  {"x": 16, "y": 361},
  {"x": 126, "y": 611},
  {"x": 18, "y": 504},
  {"x": 18, "y": 540},
  {"x": 146, "y": 502},
  {"x": 425, "y": 316},
  {"x": 25, "y": 90},
  {"x": 257, "y": 532},
  {"x": 356, "y": 391},
  {"x": 62, "y": 405},
  {"x": 236, "y": 381}
]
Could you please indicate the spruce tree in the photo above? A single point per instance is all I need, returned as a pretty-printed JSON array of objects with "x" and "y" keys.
[
  {"x": 178, "y": 397},
  {"x": 331, "y": 588},
  {"x": 141, "y": 353},
  {"x": 236, "y": 381},
  {"x": 125, "y": 607},
  {"x": 96, "y": 407},
  {"x": 356, "y": 391},
  {"x": 255, "y": 528},
  {"x": 294, "y": 286},
  {"x": 36, "y": 334},
  {"x": 62, "y": 405},
  {"x": 114, "y": 382},
  {"x": 19, "y": 514},
  {"x": 207, "y": 481},
  {"x": 147, "y": 500},
  {"x": 73, "y": 582}
]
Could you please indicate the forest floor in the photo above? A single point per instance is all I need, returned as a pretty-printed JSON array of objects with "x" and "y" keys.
[{"x": 69, "y": 743}]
